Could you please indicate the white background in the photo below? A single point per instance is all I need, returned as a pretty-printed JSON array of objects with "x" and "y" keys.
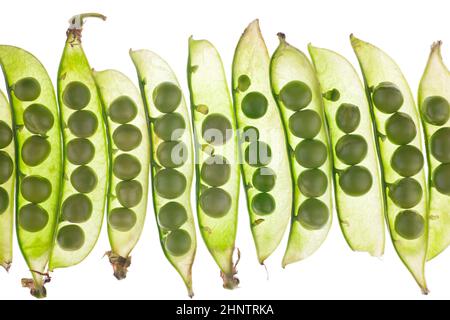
[{"x": 404, "y": 29}]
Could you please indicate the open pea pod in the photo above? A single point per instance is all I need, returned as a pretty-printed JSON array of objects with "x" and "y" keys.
[
  {"x": 217, "y": 158},
  {"x": 265, "y": 164},
  {"x": 128, "y": 136},
  {"x": 38, "y": 159},
  {"x": 400, "y": 149},
  {"x": 434, "y": 105},
  {"x": 357, "y": 173},
  {"x": 172, "y": 160},
  {"x": 86, "y": 167},
  {"x": 299, "y": 98}
]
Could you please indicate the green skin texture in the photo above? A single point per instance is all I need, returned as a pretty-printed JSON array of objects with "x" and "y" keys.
[
  {"x": 435, "y": 82},
  {"x": 361, "y": 218},
  {"x": 35, "y": 246},
  {"x": 7, "y": 217},
  {"x": 251, "y": 58},
  {"x": 290, "y": 64},
  {"x": 208, "y": 87},
  {"x": 74, "y": 66},
  {"x": 378, "y": 67},
  {"x": 111, "y": 85},
  {"x": 153, "y": 70}
]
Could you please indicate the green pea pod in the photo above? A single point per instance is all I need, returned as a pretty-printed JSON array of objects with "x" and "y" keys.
[
  {"x": 85, "y": 154},
  {"x": 400, "y": 148},
  {"x": 127, "y": 135},
  {"x": 171, "y": 160},
  {"x": 39, "y": 166},
  {"x": 434, "y": 98},
  {"x": 299, "y": 98},
  {"x": 353, "y": 141},
  {"x": 217, "y": 158},
  {"x": 265, "y": 163},
  {"x": 7, "y": 181}
]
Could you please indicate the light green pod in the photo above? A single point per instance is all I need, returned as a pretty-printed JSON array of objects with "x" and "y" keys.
[
  {"x": 360, "y": 210},
  {"x": 85, "y": 155},
  {"x": 7, "y": 182},
  {"x": 38, "y": 153},
  {"x": 172, "y": 159},
  {"x": 400, "y": 149},
  {"x": 434, "y": 99},
  {"x": 299, "y": 99},
  {"x": 262, "y": 143},
  {"x": 127, "y": 134},
  {"x": 217, "y": 158}
]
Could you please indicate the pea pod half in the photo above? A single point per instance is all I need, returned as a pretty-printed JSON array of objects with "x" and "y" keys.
[
  {"x": 265, "y": 163},
  {"x": 217, "y": 161},
  {"x": 299, "y": 98},
  {"x": 128, "y": 136},
  {"x": 171, "y": 160},
  {"x": 39, "y": 166},
  {"x": 434, "y": 102},
  {"x": 400, "y": 147},
  {"x": 85, "y": 154},
  {"x": 358, "y": 190}
]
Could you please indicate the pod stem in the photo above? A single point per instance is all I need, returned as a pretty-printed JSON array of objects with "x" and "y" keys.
[
  {"x": 230, "y": 281},
  {"x": 120, "y": 264},
  {"x": 76, "y": 25},
  {"x": 37, "y": 288}
]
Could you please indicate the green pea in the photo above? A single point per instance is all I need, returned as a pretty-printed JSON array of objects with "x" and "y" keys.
[
  {"x": 122, "y": 219},
  {"x": 6, "y": 134},
  {"x": 35, "y": 189},
  {"x": 126, "y": 167},
  {"x": 296, "y": 95},
  {"x": 83, "y": 123},
  {"x": 215, "y": 202},
  {"x": 312, "y": 182},
  {"x": 38, "y": 119},
  {"x": 84, "y": 179},
  {"x": 35, "y": 150},
  {"x": 313, "y": 214},
  {"x": 122, "y": 110},
  {"x": 244, "y": 83},
  {"x": 440, "y": 145},
  {"x": 387, "y": 97},
  {"x": 169, "y": 183},
  {"x": 305, "y": 124},
  {"x": 77, "y": 208},
  {"x": 6, "y": 167},
  {"x": 216, "y": 129},
  {"x": 170, "y": 126},
  {"x": 348, "y": 117},
  {"x": 407, "y": 160},
  {"x": 436, "y": 110},
  {"x": 400, "y": 129},
  {"x": 351, "y": 149},
  {"x": 172, "y": 216},
  {"x": 129, "y": 193},
  {"x": 216, "y": 171},
  {"x": 441, "y": 178},
  {"x": 4, "y": 200},
  {"x": 264, "y": 179},
  {"x": 332, "y": 95},
  {"x": 80, "y": 151},
  {"x": 127, "y": 137},
  {"x": 355, "y": 181},
  {"x": 166, "y": 97},
  {"x": 311, "y": 153},
  {"x": 254, "y": 105},
  {"x": 27, "y": 89},
  {"x": 172, "y": 154},
  {"x": 76, "y": 95},
  {"x": 258, "y": 154},
  {"x": 263, "y": 204},
  {"x": 250, "y": 134},
  {"x": 178, "y": 242},
  {"x": 32, "y": 217},
  {"x": 409, "y": 224},
  {"x": 71, "y": 237},
  {"x": 406, "y": 193}
]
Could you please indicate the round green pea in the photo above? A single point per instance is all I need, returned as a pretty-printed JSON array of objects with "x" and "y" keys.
[
  {"x": 263, "y": 204},
  {"x": 84, "y": 179},
  {"x": 70, "y": 237},
  {"x": 127, "y": 137},
  {"x": 264, "y": 179},
  {"x": 312, "y": 182},
  {"x": 250, "y": 134},
  {"x": 126, "y": 167},
  {"x": 170, "y": 127},
  {"x": 305, "y": 124},
  {"x": 172, "y": 154},
  {"x": 77, "y": 208},
  {"x": 6, "y": 167},
  {"x": 169, "y": 183},
  {"x": 172, "y": 216},
  {"x": 167, "y": 97},
  {"x": 122, "y": 110},
  {"x": 440, "y": 145},
  {"x": 4, "y": 200},
  {"x": 348, "y": 117},
  {"x": 313, "y": 214},
  {"x": 122, "y": 219},
  {"x": 387, "y": 97},
  {"x": 178, "y": 242},
  {"x": 409, "y": 224},
  {"x": 76, "y": 95},
  {"x": 35, "y": 189},
  {"x": 254, "y": 105},
  {"x": 400, "y": 129},
  {"x": 296, "y": 95},
  {"x": 32, "y": 217},
  {"x": 355, "y": 181},
  {"x": 80, "y": 151},
  {"x": 216, "y": 129},
  {"x": 35, "y": 150},
  {"x": 6, "y": 134},
  {"x": 215, "y": 202},
  {"x": 407, "y": 160},
  {"x": 351, "y": 149},
  {"x": 38, "y": 119},
  {"x": 436, "y": 110},
  {"x": 441, "y": 178},
  {"x": 215, "y": 171},
  {"x": 310, "y": 153},
  {"x": 27, "y": 89},
  {"x": 244, "y": 83},
  {"x": 258, "y": 154},
  {"x": 406, "y": 193},
  {"x": 83, "y": 123},
  {"x": 129, "y": 193}
]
